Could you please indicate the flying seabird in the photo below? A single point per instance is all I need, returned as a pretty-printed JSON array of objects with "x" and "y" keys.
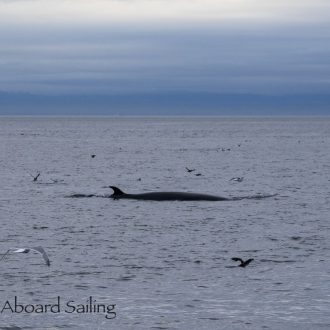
[
  {"x": 242, "y": 263},
  {"x": 35, "y": 178},
  {"x": 238, "y": 179},
  {"x": 38, "y": 249},
  {"x": 190, "y": 170}
]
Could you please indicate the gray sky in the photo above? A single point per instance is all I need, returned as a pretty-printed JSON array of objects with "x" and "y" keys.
[{"x": 197, "y": 56}]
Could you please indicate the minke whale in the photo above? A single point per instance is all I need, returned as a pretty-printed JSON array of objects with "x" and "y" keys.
[
  {"x": 165, "y": 196},
  {"x": 178, "y": 196}
]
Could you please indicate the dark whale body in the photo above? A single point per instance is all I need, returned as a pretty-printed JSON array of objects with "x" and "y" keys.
[{"x": 165, "y": 196}]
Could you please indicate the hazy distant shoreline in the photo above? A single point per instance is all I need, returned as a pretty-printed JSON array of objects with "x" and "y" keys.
[{"x": 295, "y": 117}]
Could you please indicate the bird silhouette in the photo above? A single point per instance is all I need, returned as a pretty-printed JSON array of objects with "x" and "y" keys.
[
  {"x": 242, "y": 263},
  {"x": 237, "y": 179},
  {"x": 190, "y": 170},
  {"x": 35, "y": 178},
  {"x": 38, "y": 249}
]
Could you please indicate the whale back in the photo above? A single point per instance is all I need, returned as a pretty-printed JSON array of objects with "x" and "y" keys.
[
  {"x": 165, "y": 196},
  {"x": 174, "y": 196}
]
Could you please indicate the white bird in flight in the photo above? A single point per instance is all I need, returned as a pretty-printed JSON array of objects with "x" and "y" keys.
[
  {"x": 237, "y": 179},
  {"x": 38, "y": 249}
]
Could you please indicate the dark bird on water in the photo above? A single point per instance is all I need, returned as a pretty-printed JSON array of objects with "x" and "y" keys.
[
  {"x": 38, "y": 249},
  {"x": 198, "y": 174},
  {"x": 190, "y": 170},
  {"x": 242, "y": 263},
  {"x": 93, "y": 156}
]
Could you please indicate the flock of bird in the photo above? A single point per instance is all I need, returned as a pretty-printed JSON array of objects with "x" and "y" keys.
[
  {"x": 43, "y": 253},
  {"x": 189, "y": 170},
  {"x": 243, "y": 263},
  {"x": 237, "y": 179},
  {"x": 193, "y": 170}
]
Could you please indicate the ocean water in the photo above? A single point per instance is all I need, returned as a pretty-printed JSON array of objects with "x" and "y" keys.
[{"x": 166, "y": 265}]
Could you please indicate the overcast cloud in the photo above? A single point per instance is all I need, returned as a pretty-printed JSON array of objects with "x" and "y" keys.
[{"x": 104, "y": 47}]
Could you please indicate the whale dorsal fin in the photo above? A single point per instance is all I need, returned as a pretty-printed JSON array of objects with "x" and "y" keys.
[{"x": 116, "y": 191}]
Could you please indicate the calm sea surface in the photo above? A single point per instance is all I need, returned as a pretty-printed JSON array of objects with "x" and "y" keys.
[{"x": 166, "y": 265}]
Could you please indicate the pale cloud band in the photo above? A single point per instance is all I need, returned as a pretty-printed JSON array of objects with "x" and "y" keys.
[
  {"x": 98, "y": 61},
  {"x": 137, "y": 46},
  {"x": 160, "y": 11}
]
